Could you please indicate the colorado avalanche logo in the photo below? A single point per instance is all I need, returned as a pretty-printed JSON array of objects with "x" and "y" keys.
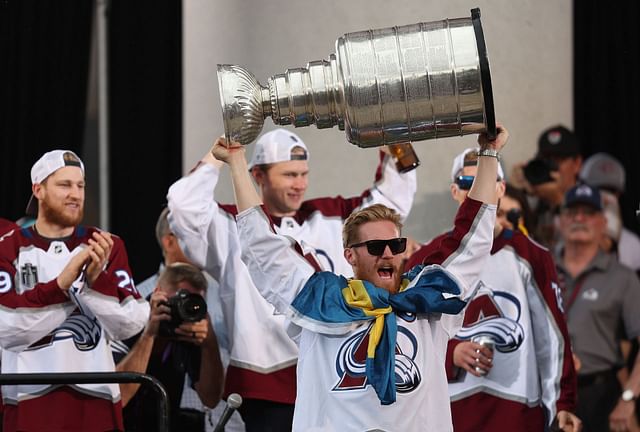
[
  {"x": 84, "y": 330},
  {"x": 495, "y": 314},
  {"x": 352, "y": 357}
]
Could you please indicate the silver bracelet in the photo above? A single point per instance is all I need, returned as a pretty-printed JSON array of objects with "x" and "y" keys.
[{"x": 490, "y": 153}]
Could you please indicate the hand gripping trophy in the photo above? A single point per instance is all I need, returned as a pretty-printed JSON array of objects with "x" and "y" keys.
[{"x": 382, "y": 87}]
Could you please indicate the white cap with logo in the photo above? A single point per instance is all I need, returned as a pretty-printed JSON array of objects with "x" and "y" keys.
[
  {"x": 458, "y": 164},
  {"x": 276, "y": 146},
  {"x": 49, "y": 163}
]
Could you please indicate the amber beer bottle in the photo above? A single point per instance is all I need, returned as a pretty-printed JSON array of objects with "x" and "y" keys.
[{"x": 405, "y": 156}]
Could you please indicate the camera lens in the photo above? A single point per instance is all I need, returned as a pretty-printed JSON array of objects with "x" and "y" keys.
[
  {"x": 190, "y": 307},
  {"x": 193, "y": 308},
  {"x": 538, "y": 171}
]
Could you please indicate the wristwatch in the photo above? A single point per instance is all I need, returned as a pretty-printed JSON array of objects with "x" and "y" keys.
[
  {"x": 628, "y": 395},
  {"x": 490, "y": 152}
]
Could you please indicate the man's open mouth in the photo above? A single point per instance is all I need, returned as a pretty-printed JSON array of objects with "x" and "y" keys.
[{"x": 385, "y": 272}]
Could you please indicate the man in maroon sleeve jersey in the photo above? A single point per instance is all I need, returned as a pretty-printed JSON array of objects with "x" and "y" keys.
[
  {"x": 65, "y": 292},
  {"x": 510, "y": 367}
]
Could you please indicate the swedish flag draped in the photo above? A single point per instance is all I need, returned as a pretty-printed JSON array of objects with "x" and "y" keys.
[{"x": 328, "y": 303}]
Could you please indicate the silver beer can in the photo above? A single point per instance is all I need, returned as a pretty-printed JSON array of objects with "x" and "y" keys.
[{"x": 485, "y": 341}]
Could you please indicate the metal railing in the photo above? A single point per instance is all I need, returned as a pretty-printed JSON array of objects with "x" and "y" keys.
[{"x": 97, "y": 378}]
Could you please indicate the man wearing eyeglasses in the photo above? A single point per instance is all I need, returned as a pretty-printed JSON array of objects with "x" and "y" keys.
[
  {"x": 601, "y": 298},
  {"x": 371, "y": 348},
  {"x": 512, "y": 355},
  {"x": 263, "y": 358}
]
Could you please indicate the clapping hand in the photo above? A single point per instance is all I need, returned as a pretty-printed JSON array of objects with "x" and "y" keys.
[{"x": 100, "y": 249}]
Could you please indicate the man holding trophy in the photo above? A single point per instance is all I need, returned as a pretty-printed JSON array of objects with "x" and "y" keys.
[
  {"x": 263, "y": 358},
  {"x": 372, "y": 347}
]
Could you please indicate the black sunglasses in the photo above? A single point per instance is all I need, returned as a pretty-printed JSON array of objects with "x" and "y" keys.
[
  {"x": 377, "y": 247},
  {"x": 464, "y": 182}
]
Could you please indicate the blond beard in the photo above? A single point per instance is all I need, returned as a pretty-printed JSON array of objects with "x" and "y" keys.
[{"x": 56, "y": 217}]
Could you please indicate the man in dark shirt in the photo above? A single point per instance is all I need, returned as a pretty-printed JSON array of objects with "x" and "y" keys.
[
  {"x": 547, "y": 177},
  {"x": 192, "y": 349}
]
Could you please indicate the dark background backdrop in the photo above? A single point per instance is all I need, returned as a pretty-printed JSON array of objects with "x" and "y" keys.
[
  {"x": 45, "y": 48},
  {"x": 606, "y": 88}
]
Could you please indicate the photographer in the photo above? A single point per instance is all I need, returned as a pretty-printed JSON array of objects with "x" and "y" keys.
[
  {"x": 176, "y": 341},
  {"x": 548, "y": 177}
]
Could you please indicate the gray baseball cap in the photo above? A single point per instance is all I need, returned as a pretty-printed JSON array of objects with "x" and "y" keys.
[{"x": 604, "y": 171}]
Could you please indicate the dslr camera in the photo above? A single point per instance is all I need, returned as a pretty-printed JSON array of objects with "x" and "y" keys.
[
  {"x": 185, "y": 307},
  {"x": 538, "y": 171}
]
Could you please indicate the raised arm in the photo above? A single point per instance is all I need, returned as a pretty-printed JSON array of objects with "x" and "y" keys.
[
  {"x": 484, "y": 186},
  {"x": 464, "y": 250},
  {"x": 206, "y": 230},
  {"x": 245, "y": 192},
  {"x": 271, "y": 259}
]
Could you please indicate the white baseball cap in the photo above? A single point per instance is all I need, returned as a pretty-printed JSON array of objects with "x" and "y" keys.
[
  {"x": 458, "y": 164},
  {"x": 276, "y": 146},
  {"x": 49, "y": 163}
]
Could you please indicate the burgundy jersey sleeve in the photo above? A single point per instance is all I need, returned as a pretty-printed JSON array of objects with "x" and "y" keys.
[
  {"x": 453, "y": 371},
  {"x": 27, "y": 315},
  {"x": 444, "y": 246},
  {"x": 558, "y": 376},
  {"x": 464, "y": 251},
  {"x": 116, "y": 279},
  {"x": 6, "y": 226},
  {"x": 113, "y": 297},
  {"x": 428, "y": 250}
]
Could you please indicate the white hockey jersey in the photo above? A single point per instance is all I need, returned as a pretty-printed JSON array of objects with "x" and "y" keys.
[
  {"x": 42, "y": 330},
  {"x": 517, "y": 306},
  {"x": 208, "y": 234},
  {"x": 333, "y": 394}
]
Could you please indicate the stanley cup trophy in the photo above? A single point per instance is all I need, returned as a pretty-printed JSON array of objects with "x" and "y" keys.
[{"x": 393, "y": 85}]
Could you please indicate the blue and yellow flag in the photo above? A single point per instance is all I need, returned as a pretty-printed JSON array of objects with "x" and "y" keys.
[{"x": 328, "y": 300}]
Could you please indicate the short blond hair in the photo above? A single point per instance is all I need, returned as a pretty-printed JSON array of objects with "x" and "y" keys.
[{"x": 376, "y": 212}]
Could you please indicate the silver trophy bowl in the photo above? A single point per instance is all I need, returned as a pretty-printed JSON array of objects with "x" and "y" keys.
[{"x": 392, "y": 85}]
